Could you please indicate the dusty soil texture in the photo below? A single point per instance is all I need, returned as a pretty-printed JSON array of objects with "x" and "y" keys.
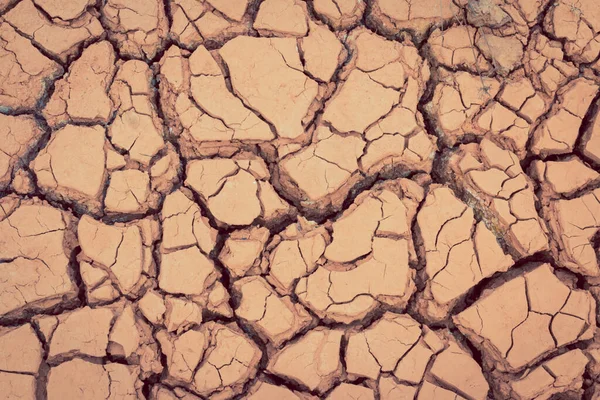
[{"x": 299, "y": 199}]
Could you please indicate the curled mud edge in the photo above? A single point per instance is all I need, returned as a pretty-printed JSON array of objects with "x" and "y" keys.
[{"x": 299, "y": 199}]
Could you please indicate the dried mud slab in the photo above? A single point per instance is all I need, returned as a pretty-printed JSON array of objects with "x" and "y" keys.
[
  {"x": 82, "y": 94},
  {"x": 561, "y": 374},
  {"x": 71, "y": 379},
  {"x": 466, "y": 106},
  {"x": 19, "y": 135},
  {"x": 356, "y": 142},
  {"x": 558, "y": 132},
  {"x": 459, "y": 252},
  {"x": 242, "y": 250},
  {"x": 20, "y": 361},
  {"x": 521, "y": 321},
  {"x": 564, "y": 178},
  {"x": 574, "y": 224},
  {"x": 275, "y": 318},
  {"x": 139, "y": 27},
  {"x": 590, "y": 143},
  {"x": 211, "y": 21},
  {"x": 36, "y": 241},
  {"x": 214, "y": 361},
  {"x": 367, "y": 262},
  {"x": 26, "y": 73},
  {"x": 339, "y": 14},
  {"x": 263, "y": 390},
  {"x": 294, "y": 253},
  {"x": 579, "y": 29},
  {"x": 492, "y": 180},
  {"x": 72, "y": 166},
  {"x": 414, "y": 355},
  {"x": 392, "y": 16},
  {"x": 299, "y": 200},
  {"x": 312, "y": 361},
  {"x": 60, "y": 40},
  {"x": 242, "y": 114},
  {"x": 110, "y": 106},
  {"x": 237, "y": 190},
  {"x": 115, "y": 259}
]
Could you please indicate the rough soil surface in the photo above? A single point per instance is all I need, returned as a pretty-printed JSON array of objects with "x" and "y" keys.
[{"x": 299, "y": 199}]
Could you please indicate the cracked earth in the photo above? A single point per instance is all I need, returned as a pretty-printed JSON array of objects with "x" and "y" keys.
[{"x": 299, "y": 199}]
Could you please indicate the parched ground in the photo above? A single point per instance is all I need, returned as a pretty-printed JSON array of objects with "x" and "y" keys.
[{"x": 294, "y": 200}]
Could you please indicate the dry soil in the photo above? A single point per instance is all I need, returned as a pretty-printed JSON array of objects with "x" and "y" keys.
[{"x": 294, "y": 200}]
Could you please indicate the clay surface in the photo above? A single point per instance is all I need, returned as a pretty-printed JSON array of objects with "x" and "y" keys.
[{"x": 300, "y": 199}]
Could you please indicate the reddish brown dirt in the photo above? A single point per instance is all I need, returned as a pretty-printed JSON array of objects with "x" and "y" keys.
[{"x": 299, "y": 199}]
